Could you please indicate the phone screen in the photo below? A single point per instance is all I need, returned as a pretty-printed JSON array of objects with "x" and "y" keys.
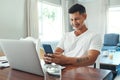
[{"x": 47, "y": 48}]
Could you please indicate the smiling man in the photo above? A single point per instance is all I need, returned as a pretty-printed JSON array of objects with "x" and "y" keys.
[{"x": 80, "y": 47}]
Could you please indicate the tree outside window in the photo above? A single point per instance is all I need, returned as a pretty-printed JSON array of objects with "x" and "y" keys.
[{"x": 50, "y": 22}]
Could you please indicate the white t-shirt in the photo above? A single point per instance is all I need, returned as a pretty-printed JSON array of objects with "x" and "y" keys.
[{"x": 76, "y": 46}]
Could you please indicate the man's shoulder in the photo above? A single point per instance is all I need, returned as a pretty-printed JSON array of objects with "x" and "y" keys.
[{"x": 93, "y": 33}]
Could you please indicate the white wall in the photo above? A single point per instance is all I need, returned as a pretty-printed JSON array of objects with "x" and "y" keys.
[
  {"x": 114, "y": 2},
  {"x": 12, "y": 19}
]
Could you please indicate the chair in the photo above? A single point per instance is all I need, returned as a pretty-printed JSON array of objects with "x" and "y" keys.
[
  {"x": 110, "y": 41},
  {"x": 97, "y": 62}
]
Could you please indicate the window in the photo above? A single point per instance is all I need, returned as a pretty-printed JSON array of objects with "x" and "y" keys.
[
  {"x": 113, "y": 20},
  {"x": 50, "y": 22}
]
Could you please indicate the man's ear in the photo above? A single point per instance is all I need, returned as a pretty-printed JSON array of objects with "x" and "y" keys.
[{"x": 85, "y": 16}]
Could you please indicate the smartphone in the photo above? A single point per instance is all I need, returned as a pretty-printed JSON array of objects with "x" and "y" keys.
[{"x": 47, "y": 48}]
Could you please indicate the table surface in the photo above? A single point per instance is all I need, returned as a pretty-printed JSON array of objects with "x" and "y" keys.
[
  {"x": 110, "y": 64},
  {"x": 106, "y": 59},
  {"x": 69, "y": 73}
]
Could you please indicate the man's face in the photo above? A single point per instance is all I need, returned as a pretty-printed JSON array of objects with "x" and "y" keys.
[{"x": 77, "y": 20}]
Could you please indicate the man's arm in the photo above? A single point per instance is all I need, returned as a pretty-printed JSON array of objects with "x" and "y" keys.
[{"x": 84, "y": 60}]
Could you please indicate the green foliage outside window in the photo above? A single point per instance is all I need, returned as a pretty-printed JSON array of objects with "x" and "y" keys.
[{"x": 50, "y": 14}]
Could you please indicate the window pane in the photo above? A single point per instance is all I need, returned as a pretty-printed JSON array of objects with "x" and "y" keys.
[
  {"x": 50, "y": 22},
  {"x": 114, "y": 20}
]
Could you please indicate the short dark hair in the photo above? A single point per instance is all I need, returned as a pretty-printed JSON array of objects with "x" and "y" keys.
[{"x": 77, "y": 7}]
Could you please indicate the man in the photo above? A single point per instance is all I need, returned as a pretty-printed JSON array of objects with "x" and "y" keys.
[{"x": 80, "y": 47}]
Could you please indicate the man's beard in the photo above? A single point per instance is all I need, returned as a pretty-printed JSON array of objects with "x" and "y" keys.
[{"x": 79, "y": 26}]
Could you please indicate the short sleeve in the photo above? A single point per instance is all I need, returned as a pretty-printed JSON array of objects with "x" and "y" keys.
[{"x": 96, "y": 42}]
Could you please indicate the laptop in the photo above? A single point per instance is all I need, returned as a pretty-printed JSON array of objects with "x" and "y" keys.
[{"x": 22, "y": 55}]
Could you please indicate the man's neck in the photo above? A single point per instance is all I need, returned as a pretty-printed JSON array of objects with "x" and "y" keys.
[{"x": 80, "y": 31}]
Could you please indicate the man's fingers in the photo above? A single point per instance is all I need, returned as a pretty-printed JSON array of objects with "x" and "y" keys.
[{"x": 48, "y": 59}]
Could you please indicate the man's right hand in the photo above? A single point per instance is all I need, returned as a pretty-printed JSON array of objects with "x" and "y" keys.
[{"x": 47, "y": 58}]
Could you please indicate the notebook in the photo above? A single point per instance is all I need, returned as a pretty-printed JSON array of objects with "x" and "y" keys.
[{"x": 22, "y": 55}]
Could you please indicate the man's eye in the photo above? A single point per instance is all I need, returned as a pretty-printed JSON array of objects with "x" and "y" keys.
[{"x": 71, "y": 19}]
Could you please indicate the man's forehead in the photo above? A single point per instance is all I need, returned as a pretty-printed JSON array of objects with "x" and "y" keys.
[{"x": 75, "y": 14}]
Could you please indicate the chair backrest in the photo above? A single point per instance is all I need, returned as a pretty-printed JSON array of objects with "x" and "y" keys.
[{"x": 111, "y": 39}]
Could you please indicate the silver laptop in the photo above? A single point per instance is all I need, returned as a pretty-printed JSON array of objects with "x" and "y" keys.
[{"x": 22, "y": 55}]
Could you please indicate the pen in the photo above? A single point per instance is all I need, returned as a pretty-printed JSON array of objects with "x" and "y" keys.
[{"x": 4, "y": 62}]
